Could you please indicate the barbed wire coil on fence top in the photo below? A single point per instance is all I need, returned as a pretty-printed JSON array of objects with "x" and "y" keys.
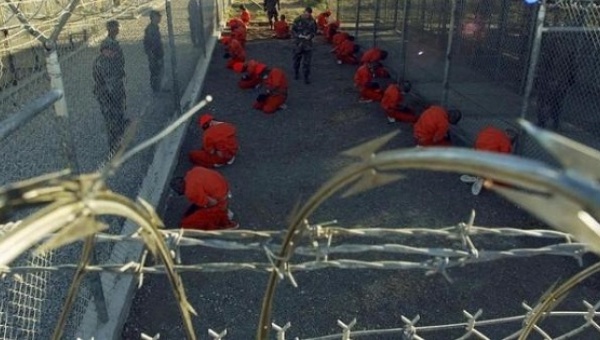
[
  {"x": 73, "y": 204},
  {"x": 97, "y": 200}
]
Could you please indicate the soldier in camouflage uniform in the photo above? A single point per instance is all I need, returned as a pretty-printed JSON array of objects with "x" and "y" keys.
[
  {"x": 112, "y": 28},
  {"x": 154, "y": 50},
  {"x": 109, "y": 90},
  {"x": 304, "y": 30}
]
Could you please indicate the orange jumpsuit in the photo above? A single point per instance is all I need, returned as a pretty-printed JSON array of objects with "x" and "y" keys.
[
  {"x": 339, "y": 38},
  {"x": 331, "y": 30},
  {"x": 245, "y": 17},
  {"x": 200, "y": 185},
  {"x": 252, "y": 77},
  {"x": 494, "y": 140},
  {"x": 362, "y": 77},
  {"x": 431, "y": 129},
  {"x": 372, "y": 56},
  {"x": 237, "y": 53},
  {"x": 322, "y": 20},
  {"x": 391, "y": 102},
  {"x": 238, "y": 30},
  {"x": 277, "y": 86},
  {"x": 345, "y": 53},
  {"x": 219, "y": 146},
  {"x": 282, "y": 29}
]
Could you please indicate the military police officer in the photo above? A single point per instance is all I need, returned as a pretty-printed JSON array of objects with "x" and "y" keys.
[
  {"x": 109, "y": 90},
  {"x": 154, "y": 50},
  {"x": 304, "y": 30}
]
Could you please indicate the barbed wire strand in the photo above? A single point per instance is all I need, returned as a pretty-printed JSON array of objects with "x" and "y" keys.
[{"x": 410, "y": 329}]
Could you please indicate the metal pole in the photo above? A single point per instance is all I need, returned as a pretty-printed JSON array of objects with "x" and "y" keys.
[
  {"x": 533, "y": 59},
  {"x": 97, "y": 291},
  {"x": 446, "y": 82},
  {"x": 376, "y": 21},
  {"x": 202, "y": 32},
  {"x": 337, "y": 10},
  {"x": 33, "y": 108},
  {"x": 500, "y": 43},
  {"x": 219, "y": 14},
  {"x": 404, "y": 54},
  {"x": 173, "y": 56},
  {"x": 527, "y": 48},
  {"x": 60, "y": 106},
  {"x": 396, "y": 15},
  {"x": 357, "y": 18}
]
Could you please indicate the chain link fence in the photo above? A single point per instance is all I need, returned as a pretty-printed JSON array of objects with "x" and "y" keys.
[
  {"x": 42, "y": 51},
  {"x": 492, "y": 60}
]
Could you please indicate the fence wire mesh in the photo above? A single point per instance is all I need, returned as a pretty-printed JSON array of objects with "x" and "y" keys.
[
  {"x": 42, "y": 144},
  {"x": 468, "y": 54},
  {"x": 568, "y": 73},
  {"x": 491, "y": 45},
  {"x": 22, "y": 299}
]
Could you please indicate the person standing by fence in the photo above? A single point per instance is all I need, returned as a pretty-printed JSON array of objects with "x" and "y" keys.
[
  {"x": 154, "y": 50},
  {"x": 271, "y": 7},
  {"x": 304, "y": 30},
  {"x": 112, "y": 28},
  {"x": 109, "y": 90}
]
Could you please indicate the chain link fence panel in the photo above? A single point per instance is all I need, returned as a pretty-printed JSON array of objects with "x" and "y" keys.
[
  {"x": 26, "y": 310},
  {"x": 567, "y": 74}
]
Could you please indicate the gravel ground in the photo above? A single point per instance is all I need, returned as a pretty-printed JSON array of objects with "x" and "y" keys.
[{"x": 285, "y": 158}]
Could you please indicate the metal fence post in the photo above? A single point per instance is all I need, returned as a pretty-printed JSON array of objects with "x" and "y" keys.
[
  {"x": 173, "y": 55},
  {"x": 534, "y": 56},
  {"x": 446, "y": 81},
  {"x": 526, "y": 49},
  {"x": 357, "y": 22},
  {"x": 202, "y": 32},
  {"x": 219, "y": 11},
  {"x": 396, "y": 5},
  {"x": 376, "y": 21},
  {"x": 501, "y": 39},
  {"x": 60, "y": 106},
  {"x": 404, "y": 54}
]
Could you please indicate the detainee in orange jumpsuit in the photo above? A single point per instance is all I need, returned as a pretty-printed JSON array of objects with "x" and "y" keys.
[
  {"x": 345, "y": 53},
  {"x": 238, "y": 30},
  {"x": 276, "y": 84},
  {"x": 339, "y": 38},
  {"x": 235, "y": 53},
  {"x": 282, "y": 29},
  {"x": 245, "y": 15},
  {"x": 392, "y": 104},
  {"x": 490, "y": 139},
  {"x": 431, "y": 129},
  {"x": 494, "y": 140},
  {"x": 374, "y": 56},
  {"x": 331, "y": 29},
  {"x": 219, "y": 143},
  {"x": 369, "y": 90},
  {"x": 322, "y": 20},
  {"x": 252, "y": 77},
  {"x": 208, "y": 191}
]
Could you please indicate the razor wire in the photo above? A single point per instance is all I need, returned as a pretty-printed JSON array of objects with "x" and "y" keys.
[
  {"x": 472, "y": 326},
  {"x": 457, "y": 257},
  {"x": 23, "y": 78}
]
